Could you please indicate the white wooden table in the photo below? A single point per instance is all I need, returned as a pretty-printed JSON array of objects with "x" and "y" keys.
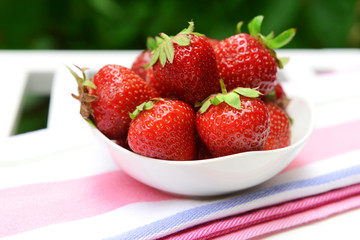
[{"x": 38, "y": 72}]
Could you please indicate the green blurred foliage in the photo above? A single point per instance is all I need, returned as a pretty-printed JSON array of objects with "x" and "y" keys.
[
  {"x": 117, "y": 24},
  {"x": 33, "y": 114}
]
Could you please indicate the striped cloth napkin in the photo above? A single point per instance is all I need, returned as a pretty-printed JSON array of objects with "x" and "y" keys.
[{"x": 53, "y": 187}]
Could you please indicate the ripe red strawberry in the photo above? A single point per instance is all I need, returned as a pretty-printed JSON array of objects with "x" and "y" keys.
[
  {"x": 123, "y": 143},
  {"x": 202, "y": 151},
  {"x": 247, "y": 60},
  {"x": 213, "y": 42},
  {"x": 280, "y": 132},
  {"x": 278, "y": 96},
  {"x": 163, "y": 129},
  {"x": 161, "y": 89},
  {"x": 141, "y": 67},
  {"x": 118, "y": 91},
  {"x": 186, "y": 65},
  {"x": 140, "y": 63},
  {"x": 234, "y": 122}
]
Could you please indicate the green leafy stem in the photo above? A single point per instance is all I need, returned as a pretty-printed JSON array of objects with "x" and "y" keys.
[
  {"x": 270, "y": 41},
  {"x": 232, "y": 98},
  {"x": 164, "y": 49}
]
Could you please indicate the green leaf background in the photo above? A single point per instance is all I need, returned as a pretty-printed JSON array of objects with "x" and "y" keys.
[{"x": 116, "y": 24}]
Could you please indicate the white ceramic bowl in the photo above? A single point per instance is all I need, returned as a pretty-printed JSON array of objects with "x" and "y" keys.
[{"x": 218, "y": 175}]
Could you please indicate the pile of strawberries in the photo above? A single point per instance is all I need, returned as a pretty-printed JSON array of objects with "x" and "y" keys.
[{"x": 192, "y": 97}]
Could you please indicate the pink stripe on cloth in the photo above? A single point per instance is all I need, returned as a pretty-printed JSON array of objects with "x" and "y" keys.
[
  {"x": 258, "y": 217},
  {"x": 37, "y": 205},
  {"x": 302, "y": 218},
  {"x": 328, "y": 142}
]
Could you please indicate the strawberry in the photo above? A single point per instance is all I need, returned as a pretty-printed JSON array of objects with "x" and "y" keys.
[
  {"x": 202, "y": 151},
  {"x": 213, "y": 42},
  {"x": 278, "y": 96},
  {"x": 247, "y": 60},
  {"x": 280, "y": 132},
  {"x": 139, "y": 65},
  {"x": 186, "y": 65},
  {"x": 164, "y": 129},
  {"x": 279, "y": 92},
  {"x": 122, "y": 143},
  {"x": 234, "y": 122},
  {"x": 118, "y": 91},
  {"x": 161, "y": 89}
]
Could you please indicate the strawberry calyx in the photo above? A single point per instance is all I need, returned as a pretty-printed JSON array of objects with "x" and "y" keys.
[
  {"x": 231, "y": 98},
  {"x": 144, "y": 106},
  {"x": 153, "y": 43},
  {"x": 270, "y": 41},
  {"x": 85, "y": 88},
  {"x": 164, "y": 48}
]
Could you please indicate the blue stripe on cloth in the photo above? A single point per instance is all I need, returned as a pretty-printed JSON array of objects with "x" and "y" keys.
[{"x": 189, "y": 215}]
